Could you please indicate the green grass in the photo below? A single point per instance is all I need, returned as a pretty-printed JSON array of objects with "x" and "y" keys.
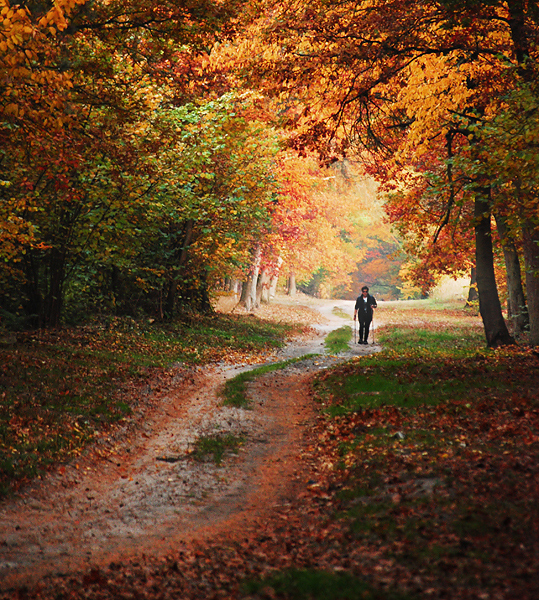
[
  {"x": 59, "y": 389},
  {"x": 338, "y": 340},
  {"x": 234, "y": 391},
  {"x": 451, "y": 340},
  {"x": 435, "y": 305},
  {"x": 215, "y": 447},
  {"x": 339, "y": 312},
  {"x": 435, "y": 455},
  {"x": 320, "y": 585},
  {"x": 416, "y": 368}
]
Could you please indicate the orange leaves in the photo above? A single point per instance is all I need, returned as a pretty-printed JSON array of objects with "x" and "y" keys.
[
  {"x": 15, "y": 28},
  {"x": 56, "y": 18},
  {"x": 311, "y": 216},
  {"x": 23, "y": 75},
  {"x": 414, "y": 88},
  {"x": 433, "y": 91}
]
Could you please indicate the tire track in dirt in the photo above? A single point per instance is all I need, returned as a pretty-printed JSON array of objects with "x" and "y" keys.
[{"x": 133, "y": 503}]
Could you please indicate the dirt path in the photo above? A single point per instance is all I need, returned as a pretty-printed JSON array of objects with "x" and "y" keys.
[{"x": 148, "y": 495}]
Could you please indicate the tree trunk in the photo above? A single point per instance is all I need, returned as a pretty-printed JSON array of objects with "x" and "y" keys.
[
  {"x": 530, "y": 241},
  {"x": 275, "y": 279},
  {"x": 239, "y": 287},
  {"x": 52, "y": 306},
  {"x": 262, "y": 288},
  {"x": 181, "y": 260},
  {"x": 248, "y": 292},
  {"x": 33, "y": 303},
  {"x": 472, "y": 291},
  {"x": 235, "y": 287},
  {"x": 489, "y": 302},
  {"x": 516, "y": 303},
  {"x": 253, "y": 279},
  {"x": 245, "y": 297},
  {"x": 203, "y": 302},
  {"x": 292, "y": 284}
]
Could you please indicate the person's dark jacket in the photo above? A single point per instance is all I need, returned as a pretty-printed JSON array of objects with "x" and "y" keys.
[{"x": 364, "y": 309}]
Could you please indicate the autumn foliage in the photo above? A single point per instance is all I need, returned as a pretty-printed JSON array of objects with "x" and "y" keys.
[
  {"x": 134, "y": 176},
  {"x": 152, "y": 153},
  {"x": 426, "y": 94}
]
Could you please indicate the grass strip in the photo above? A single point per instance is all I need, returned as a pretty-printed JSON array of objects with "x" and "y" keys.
[
  {"x": 234, "y": 391},
  {"x": 216, "y": 447},
  {"x": 416, "y": 368},
  {"x": 310, "y": 584},
  {"x": 338, "y": 340},
  {"x": 339, "y": 312}
]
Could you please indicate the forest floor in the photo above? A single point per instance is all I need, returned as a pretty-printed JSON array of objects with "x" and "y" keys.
[
  {"x": 403, "y": 472},
  {"x": 145, "y": 495}
]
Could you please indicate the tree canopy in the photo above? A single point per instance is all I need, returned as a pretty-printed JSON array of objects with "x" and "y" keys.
[
  {"x": 151, "y": 150},
  {"x": 419, "y": 90}
]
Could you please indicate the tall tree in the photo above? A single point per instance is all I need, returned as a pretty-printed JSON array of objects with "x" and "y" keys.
[
  {"x": 80, "y": 83},
  {"x": 351, "y": 65}
]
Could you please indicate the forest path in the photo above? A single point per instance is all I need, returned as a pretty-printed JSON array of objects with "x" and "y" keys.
[{"x": 147, "y": 495}]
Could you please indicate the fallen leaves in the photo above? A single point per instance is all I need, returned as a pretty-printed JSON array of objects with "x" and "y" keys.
[
  {"x": 65, "y": 388},
  {"x": 432, "y": 501}
]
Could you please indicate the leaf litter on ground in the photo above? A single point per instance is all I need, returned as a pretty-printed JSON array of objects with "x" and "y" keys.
[{"x": 432, "y": 497}]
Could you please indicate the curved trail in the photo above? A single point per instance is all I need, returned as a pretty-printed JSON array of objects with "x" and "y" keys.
[{"x": 148, "y": 495}]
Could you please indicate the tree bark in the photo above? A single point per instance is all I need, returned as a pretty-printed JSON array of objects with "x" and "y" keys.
[
  {"x": 530, "y": 241},
  {"x": 489, "y": 302},
  {"x": 262, "y": 288},
  {"x": 292, "y": 291},
  {"x": 472, "y": 291},
  {"x": 516, "y": 302},
  {"x": 203, "y": 302},
  {"x": 253, "y": 279},
  {"x": 52, "y": 305},
  {"x": 244, "y": 297},
  {"x": 248, "y": 292},
  {"x": 275, "y": 279},
  {"x": 33, "y": 303},
  {"x": 187, "y": 238},
  {"x": 235, "y": 287}
]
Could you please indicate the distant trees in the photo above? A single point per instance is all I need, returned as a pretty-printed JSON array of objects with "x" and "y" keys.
[
  {"x": 133, "y": 175},
  {"x": 442, "y": 96}
]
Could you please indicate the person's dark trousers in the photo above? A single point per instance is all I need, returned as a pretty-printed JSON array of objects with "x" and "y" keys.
[{"x": 364, "y": 331}]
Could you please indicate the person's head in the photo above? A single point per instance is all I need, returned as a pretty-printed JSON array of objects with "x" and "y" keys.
[{"x": 364, "y": 290}]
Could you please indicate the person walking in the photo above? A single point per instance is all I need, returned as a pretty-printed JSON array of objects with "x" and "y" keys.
[{"x": 363, "y": 311}]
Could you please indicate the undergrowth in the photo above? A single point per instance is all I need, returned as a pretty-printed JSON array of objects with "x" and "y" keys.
[
  {"x": 435, "y": 446},
  {"x": 59, "y": 389}
]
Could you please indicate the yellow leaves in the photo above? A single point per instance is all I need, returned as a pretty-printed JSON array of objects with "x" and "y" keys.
[
  {"x": 11, "y": 109},
  {"x": 56, "y": 19},
  {"x": 15, "y": 25},
  {"x": 23, "y": 41},
  {"x": 434, "y": 90}
]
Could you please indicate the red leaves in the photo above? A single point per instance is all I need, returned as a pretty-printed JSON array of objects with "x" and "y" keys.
[{"x": 447, "y": 509}]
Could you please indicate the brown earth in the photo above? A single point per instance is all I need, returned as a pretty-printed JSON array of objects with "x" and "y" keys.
[{"x": 143, "y": 494}]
